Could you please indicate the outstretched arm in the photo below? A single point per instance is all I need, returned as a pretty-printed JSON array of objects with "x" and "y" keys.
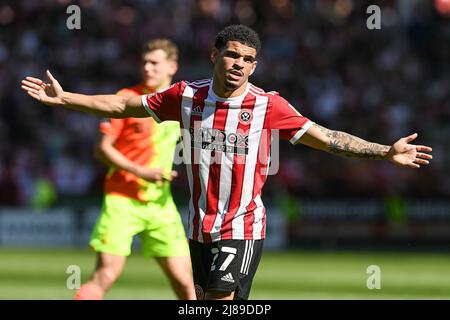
[
  {"x": 112, "y": 106},
  {"x": 343, "y": 144}
]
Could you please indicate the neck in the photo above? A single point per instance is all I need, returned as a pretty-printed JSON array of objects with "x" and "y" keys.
[
  {"x": 161, "y": 86},
  {"x": 222, "y": 92}
]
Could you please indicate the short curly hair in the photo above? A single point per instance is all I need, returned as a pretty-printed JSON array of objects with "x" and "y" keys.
[{"x": 240, "y": 33}]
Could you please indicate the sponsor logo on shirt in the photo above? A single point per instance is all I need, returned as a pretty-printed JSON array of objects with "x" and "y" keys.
[{"x": 214, "y": 139}]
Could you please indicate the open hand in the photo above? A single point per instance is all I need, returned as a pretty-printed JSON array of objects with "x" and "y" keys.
[
  {"x": 404, "y": 154},
  {"x": 49, "y": 93}
]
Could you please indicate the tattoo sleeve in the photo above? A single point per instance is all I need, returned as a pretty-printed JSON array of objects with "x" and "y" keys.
[{"x": 347, "y": 145}]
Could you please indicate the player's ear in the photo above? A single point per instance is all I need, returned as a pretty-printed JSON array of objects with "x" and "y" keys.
[
  {"x": 214, "y": 54},
  {"x": 253, "y": 68},
  {"x": 173, "y": 68}
]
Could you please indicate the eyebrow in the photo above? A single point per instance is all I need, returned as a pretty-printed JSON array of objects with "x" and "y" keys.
[{"x": 237, "y": 53}]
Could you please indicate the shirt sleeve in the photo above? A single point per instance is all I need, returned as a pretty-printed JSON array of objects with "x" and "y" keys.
[
  {"x": 111, "y": 127},
  {"x": 164, "y": 105},
  {"x": 285, "y": 118}
]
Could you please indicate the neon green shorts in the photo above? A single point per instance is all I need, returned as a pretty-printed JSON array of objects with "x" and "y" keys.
[{"x": 159, "y": 226}]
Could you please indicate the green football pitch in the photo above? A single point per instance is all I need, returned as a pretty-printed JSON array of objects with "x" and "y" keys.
[{"x": 42, "y": 274}]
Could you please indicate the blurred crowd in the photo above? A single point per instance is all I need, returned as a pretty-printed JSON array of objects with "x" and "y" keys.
[{"x": 377, "y": 84}]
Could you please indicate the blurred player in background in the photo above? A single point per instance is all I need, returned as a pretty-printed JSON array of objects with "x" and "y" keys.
[
  {"x": 137, "y": 195},
  {"x": 229, "y": 125}
]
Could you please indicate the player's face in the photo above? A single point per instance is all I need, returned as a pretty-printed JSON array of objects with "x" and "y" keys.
[
  {"x": 157, "y": 69},
  {"x": 233, "y": 65}
]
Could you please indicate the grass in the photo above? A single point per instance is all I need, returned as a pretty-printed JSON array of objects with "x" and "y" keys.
[{"x": 41, "y": 274}]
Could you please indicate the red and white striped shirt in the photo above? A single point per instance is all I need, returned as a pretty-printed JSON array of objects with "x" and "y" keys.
[{"x": 226, "y": 149}]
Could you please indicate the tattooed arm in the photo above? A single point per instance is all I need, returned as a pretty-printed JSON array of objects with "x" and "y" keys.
[
  {"x": 347, "y": 145},
  {"x": 343, "y": 144}
]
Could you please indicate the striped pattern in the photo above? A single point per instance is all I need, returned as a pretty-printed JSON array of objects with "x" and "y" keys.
[
  {"x": 248, "y": 254},
  {"x": 227, "y": 151}
]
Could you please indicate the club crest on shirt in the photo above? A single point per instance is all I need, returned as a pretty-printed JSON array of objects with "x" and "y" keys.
[{"x": 245, "y": 116}]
